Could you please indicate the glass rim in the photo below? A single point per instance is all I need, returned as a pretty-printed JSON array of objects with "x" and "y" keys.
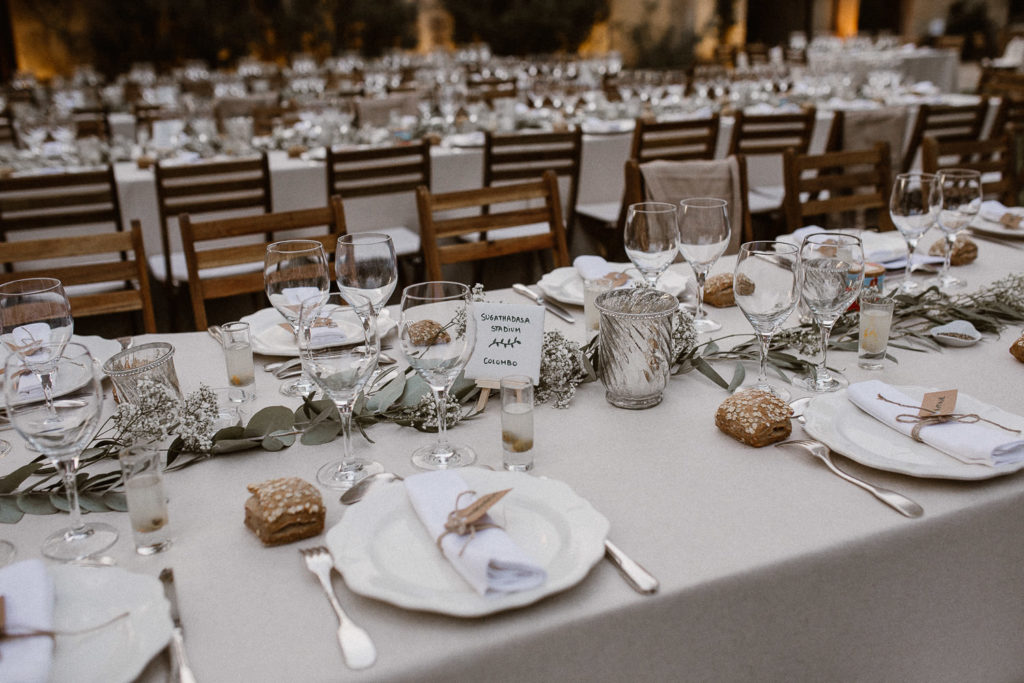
[
  {"x": 407, "y": 292},
  {"x": 653, "y": 207},
  {"x": 703, "y": 203},
  {"x": 364, "y": 237},
  {"x": 839, "y": 236},
  {"x": 786, "y": 246},
  {"x": 956, "y": 172},
  {"x": 16, "y": 287},
  {"x": 515, "y": 382},
  {"x": 236, "y": 325},
  {"x": 283, "y": 245},
  {"x": 916, "y": 174},
  {"x": 166, "y": 356}
]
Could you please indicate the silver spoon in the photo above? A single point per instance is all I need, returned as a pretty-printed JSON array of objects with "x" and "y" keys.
[{"x": 356, "y": 493}]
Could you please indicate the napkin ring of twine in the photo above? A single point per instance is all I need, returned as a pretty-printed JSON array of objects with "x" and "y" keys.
[
  {"x": 6, "y": 634},
  {"x": 922, "y": 421},
  {"x": 462, "y": 521}
]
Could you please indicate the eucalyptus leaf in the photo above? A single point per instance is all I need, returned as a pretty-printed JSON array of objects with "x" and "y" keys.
[
  {"x": 60, "y": 501},
  {"x": 92, "y": 502},
  {"x": 12, "y": 481},
  {"x": 36, "y": 504},
  {"x": 284, "y": 437},
  {"x": 321, "y": 433},
  {"x": 383, "y": 399},
  {"x": 10, "y": 513},
  {"x": 116, "y": 501},
  {"x": 738, "y": 375},
  {"x": 705, "y": 369},
  {"x": 225, "y": 446},
  {"x": 415, "y": 389},
  {"x": 271, "y": 419}
]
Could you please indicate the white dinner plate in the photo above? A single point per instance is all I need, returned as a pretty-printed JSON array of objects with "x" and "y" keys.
[
  {"x": 383, "y": 550},
  {"x": 987, "y": 227},
  {"x": 270, "y": 339},
  {"x": 846, "y": 429},
  {"x": 86, "y": 596},
  {"x": 566, "y": 285}
]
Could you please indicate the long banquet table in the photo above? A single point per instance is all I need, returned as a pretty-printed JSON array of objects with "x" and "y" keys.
[{"x": 771, "y": 568}]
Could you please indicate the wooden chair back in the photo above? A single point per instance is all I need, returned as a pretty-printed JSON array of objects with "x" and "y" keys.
[
  {"x": 1010, "y": 112},
  {"x": 762, "y": 134},
  {"x": 201, "y": 256},
  {"x": 209, "y": 187},
  {"x": 359, "y": 172},
  {"x": 998, "y": 82},
  {"x": 515, "y": 157},
  {"x": 945, "y": 121},
  {"x": 91, "y": 122},
  {"x": 636, "y": 191},
  {"x": 440, "y": 243},
  {"x": 854, "y": 180},
  {"x": 124, "y": 271},
  {"x": 59, "y": 200},
  {"x": 674, "y": 140},
  {"x": 7, "y": 136},
  {"x": 989, "y": 157}
]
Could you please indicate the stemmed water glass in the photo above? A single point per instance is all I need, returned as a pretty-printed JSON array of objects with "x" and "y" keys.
[
  {"x": 36, "y": 324},
  {"x": 651, "y": 238},
  {"x": 61, "y": 430},
  {"x": 766, "y": 285},
  {"x": 961, "y": 196},
  {"x": 914, "y": 207},
  {"x": 366, "y": 264},
  {"x": 703, "y": 236},
  {"x": 293, "y": 271},
  {"x": 437, "y": 332},
  {"x": 340, "y": 368},
  {"x": 832, "y": 272}
]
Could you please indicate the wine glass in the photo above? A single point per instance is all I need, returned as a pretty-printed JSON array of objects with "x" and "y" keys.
[
  {"x": 960, "y": 202},
  {"x": 766, "y": 285},
  {"x": 437, "y": 332},
  {"x": 914, "y": 206},
  {"x": 36, "y": 324},
  {"x": 61, "y": 430},
  {"x": 832, "y": 272},
  {"x": 651, "y": 238},
  {"x": 366, "y": 264},
  {"x": 703, "y": 236},
  {"x": 293, "y": 271},
  {"x": 340, "y": 368}
]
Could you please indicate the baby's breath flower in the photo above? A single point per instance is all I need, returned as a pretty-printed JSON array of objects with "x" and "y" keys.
[
  {"x": 561, "y": 370},
  {"x": 684, "y": 335},
  {"x": 423, "y": 415}
]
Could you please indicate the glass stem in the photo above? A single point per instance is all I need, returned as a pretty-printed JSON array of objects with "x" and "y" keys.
[
  {"x": 909, "y": 270},
  {"x": 345, "y": 413},
  {"x": 950, "y": 241},
  {"x": 440, "y": 403},
  {"x": 67, "y": 473},
  {"x": 822, "y": 371},
  {"x": 764, "y": 341},
  {"x": 46, "y": 381},
  {"x": 700, "y": 278}
]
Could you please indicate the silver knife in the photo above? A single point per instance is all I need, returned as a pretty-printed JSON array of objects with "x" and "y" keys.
[
  {"x": 550, "y": 305},
  {"x": 180, "y": 669},
  {"x": 639, "y": 578}
]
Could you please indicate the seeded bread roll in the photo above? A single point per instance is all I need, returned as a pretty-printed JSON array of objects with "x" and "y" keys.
[
  {"x": 718, "y": 291},
  {"x": 1017, "y": 349},
  {"x": 964, "y": 250},
  {"x": 755, "y": 417},
  {"x": 284, "y": 510},
  {"x": 427, "y": 333}
]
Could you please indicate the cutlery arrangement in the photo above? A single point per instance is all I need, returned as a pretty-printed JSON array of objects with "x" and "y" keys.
[
  {"x": 543, "y": 301},
  {"x": 356, "y": 646},
  {"x": 181, "y": 670}
]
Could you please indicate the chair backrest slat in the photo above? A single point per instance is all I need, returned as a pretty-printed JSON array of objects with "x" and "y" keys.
[
  {"x": 945, "y": 121},
  {"x": 52, "y": 200},
  {"x": 994, "y": 155}
]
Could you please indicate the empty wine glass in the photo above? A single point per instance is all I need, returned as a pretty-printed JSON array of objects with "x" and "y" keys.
[
  {"x": 832, "y": 272},
  {"x": 61, "y": 430},
  {"x": 651, "y": 238},
  {"x": 293, "y": 271},
  {"x": 766, "y": 285},
  {"x": 703, "y": 236},
  {"x": 960, "y": 202},
  {"x": 366, "y": 264},
  {"x": 437, "y": 332},
  {"x": 340, "y": 365},
  {"x": 914, "y": 207}
]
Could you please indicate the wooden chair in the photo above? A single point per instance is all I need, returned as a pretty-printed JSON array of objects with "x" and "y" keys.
[
  {"x": 213, "y": 271},
  {"x": 996, "y": 159},
  {"x": 375, "y": 171},
  {"x": 7, "y": 136},
  {"x": 637, "y": 191},
  {"x": 998, "y": 82},
  {"x": 440, "y": 243},
  {"x": 856, "y": 180},
  {"x": 116, "y": 284},
  {"x": 52, "y": 201},
  {"x": 514, "y": 157},
  {"x": 674, "y": 140},
  {"x": 771, "y": 135},
  {"x": 945, "y": 121},
  {"x": 91, "y": 122},
  {"x": 202, "y": 188},
  {"x": 1010, "y": 112}
]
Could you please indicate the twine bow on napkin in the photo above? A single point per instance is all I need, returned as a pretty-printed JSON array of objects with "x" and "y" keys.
[
  {"x": 922, "y": 421},
  {"x": 469, "y": 520}
]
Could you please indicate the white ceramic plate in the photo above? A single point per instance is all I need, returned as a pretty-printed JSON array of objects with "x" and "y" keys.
[
  {"x": 100, "y": 348},
  {"x": 86, "y": 596},
  {"x": 383, "y": 551},
  {"x": 986, "y": 227},
  {"x": 846, "y": 429},
  {"x": 270, "y": 339},
  {"x": 566, "y": 285}
]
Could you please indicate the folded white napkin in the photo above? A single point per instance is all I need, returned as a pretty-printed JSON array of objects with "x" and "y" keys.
[
  {"x": 28, "y": 597},
  {"x": 974, "y": 443},
  {"x": 994, "y": 210},
  {"x": 879, "y": 247},
  {"x": 591, "y": 267},
  {"x": 491, "y": 561}
]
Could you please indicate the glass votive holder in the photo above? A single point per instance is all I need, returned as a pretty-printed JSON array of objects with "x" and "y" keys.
[
  {"x": 237, "y": 343},
  {"x": 147, "y": 501},
  {"x": 591, "y": 289},
  {"x": 873, "y": 338},
  {"x": 153, "y": 361},
  {"x": 517, "y": 423}
]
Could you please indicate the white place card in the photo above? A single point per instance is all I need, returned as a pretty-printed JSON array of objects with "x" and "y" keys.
[{"x": 509, "y": 339}]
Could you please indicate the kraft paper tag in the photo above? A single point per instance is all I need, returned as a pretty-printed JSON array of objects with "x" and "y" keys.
[
  {"x": 938, "y": 403},
  {"x": 1011, "y": 220}
]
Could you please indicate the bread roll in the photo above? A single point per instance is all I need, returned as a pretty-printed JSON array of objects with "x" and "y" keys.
[
  {"x": 755, "y": 417},
  {"x": 284, "y": 510}
]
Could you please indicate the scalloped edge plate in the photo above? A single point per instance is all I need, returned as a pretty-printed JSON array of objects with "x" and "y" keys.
[{"x": 382, "y": 549}]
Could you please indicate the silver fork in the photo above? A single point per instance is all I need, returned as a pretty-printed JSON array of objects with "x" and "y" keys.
[
  {"x": 356, "y": 646},
  {"x": 896, "y": 501}
]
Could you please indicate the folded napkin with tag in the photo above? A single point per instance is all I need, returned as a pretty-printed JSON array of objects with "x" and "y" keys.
[
  {"x": 978, "y": 443},
  {"x": 489, "y": 561},
  {"x": 592, "y": 267},
  {"x": 879, "y": 247},
  {"x": 28, "y": 600},
  {"x": 994, "y": 210}
]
